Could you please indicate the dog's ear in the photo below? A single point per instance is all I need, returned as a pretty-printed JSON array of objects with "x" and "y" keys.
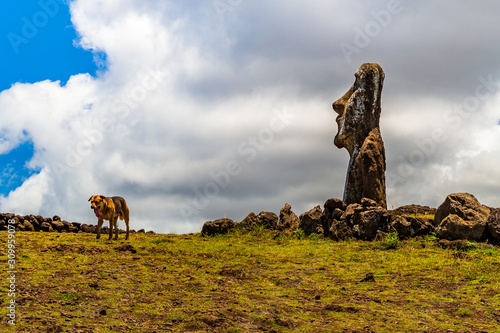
[
  {"x": 90, "y": 198},
  {"x": 102, "y": 197}
]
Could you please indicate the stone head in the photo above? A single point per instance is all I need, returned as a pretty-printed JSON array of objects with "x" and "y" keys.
[{"x": 359, "y": 109}]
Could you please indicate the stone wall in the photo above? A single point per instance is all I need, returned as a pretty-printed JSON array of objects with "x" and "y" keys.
[
  {"x": 368, "y": 221},
  {"x": 47, "y": 224}
]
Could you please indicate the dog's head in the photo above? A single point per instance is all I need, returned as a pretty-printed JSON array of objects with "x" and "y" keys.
[{"x": 97, "y": 203}]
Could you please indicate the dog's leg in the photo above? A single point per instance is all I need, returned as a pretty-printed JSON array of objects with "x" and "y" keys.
[
  {"x": 116, "y": 227},
  {"x": 111, "y": 220},
  {"x": 126, "y": 212},
  {"x": 99, "y": 225}
]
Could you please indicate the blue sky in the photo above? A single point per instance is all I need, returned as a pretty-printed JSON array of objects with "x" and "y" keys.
[{"x": 37, "y": 44}]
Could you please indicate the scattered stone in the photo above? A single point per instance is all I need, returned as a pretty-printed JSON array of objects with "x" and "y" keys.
[
  {"x": 454, "y": 227},
  {"x": 358, "y": 131},
  {"x": 461, "y": 216},
  {"x": 288, "y": 221},
  {"x": 333, "y": 204},
  {"x": 415, "y": 210},
  {"x": 217, "y": 227},
  {"x": 368, "y": 278},
  {"x": 28, "y": 226},
  {"x": 458, "y": 244},
  {"x": 45, "y": 224},
  {"x": 57, "y": 225},
  {"x": 339, "y": 230},
  {"x": 267, "y": 220},
  {"x": 88, "y": 228},
  {"x": 408, "y": 227},
  {"x": 366, "y": 203},
  {"x": 367, "y": 223},
  {"x": 46, "y": 227},
  {"x": 350, "y": 211},
  {"x": 311, "y": 221},
  {"x": 340, "y": 308},
  {"x": 494, "y": 225},
  {"x": 102, "y": 312},
  {"x": 249, "y": 222},
  {"x": 126, "y": 248}
]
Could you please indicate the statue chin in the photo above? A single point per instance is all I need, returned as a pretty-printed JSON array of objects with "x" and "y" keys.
[
  {"x": 337, "y": 142},
  {"x": 341, "y": 140}
]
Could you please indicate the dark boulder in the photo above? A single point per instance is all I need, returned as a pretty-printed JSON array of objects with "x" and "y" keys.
[
  {"x": 288, "y": 221},
  {"x": 367, "y": 223},
  {"x": 461, "y": 216},
  {"x": 408, "y": 226},
  {"x": 339, "y": 230},
  {"x": 269, "y": 219},
  {"x": 47, "y": 227},
  {"x": 217, "y": 227},
  {"x": 494, "y": 225},
  {"x": 311, "y": 221},
  {"x": 415, "y": 211},
  {"x": 57, "y": 225},
  {"x": 453, "y": 227},
  {"x": 28, "y": 226},
  {"x": 265, "y": 220}
]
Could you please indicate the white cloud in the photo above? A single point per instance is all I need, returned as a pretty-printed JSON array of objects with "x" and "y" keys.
[{"x": 186, "y": 93}]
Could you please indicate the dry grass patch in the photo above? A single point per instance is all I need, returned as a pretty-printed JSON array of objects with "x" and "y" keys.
[{"x": 251, "y": 283}]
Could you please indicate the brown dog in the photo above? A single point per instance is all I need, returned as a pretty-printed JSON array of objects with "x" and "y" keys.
[{"x": 109, "y": 209}]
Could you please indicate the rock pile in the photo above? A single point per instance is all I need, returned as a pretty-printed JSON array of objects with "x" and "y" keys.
[
  {"x": 459, "y": 217},
  {"x": 47, "y": 224}
]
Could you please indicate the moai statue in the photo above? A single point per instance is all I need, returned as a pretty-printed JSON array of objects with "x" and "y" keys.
[{"x": 358, "y": 132}]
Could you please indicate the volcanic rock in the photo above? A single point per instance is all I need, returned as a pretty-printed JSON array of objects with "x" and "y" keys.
[
  {"x": 57, "y": 225},
  {"x": 367, "y": 223},
  {"x": 415, "y": 210},
  {"x": 461, "y": 216},
  {"x": 266, "y": 220},
  {"x": 45, "y": 226},
  {"x": 288, "y": 221},
  {"x": 269, "y": 218},
  {"x": 332, "y": 204},
  {"x": 408, "y": 226},
  {"x": 339, "y": 230},
  {"x": 220, "y": 226},
  {"x": 28, "y": 226},
  {"x": 494, "y": 225},
  {"x": 358, "y": 131},
  {"x": 311, "y": 221}
]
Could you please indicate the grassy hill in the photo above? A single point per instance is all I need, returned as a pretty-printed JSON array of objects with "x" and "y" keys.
[{"x": 256, "y": 282}]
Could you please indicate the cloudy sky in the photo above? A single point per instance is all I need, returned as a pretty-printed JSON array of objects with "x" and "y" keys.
[{"x": 196, "y": 110}]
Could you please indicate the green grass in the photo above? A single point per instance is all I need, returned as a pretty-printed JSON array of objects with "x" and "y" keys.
[{"x": 251, "y": 282}]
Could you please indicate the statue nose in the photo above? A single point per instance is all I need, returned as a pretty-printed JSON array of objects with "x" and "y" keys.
[{"x": 338, "y": 107}]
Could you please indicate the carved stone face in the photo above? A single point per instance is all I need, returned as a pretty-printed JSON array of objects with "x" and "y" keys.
[
  {"x": 345, "y": 131},
  {"x": 359, "y": 109}
]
